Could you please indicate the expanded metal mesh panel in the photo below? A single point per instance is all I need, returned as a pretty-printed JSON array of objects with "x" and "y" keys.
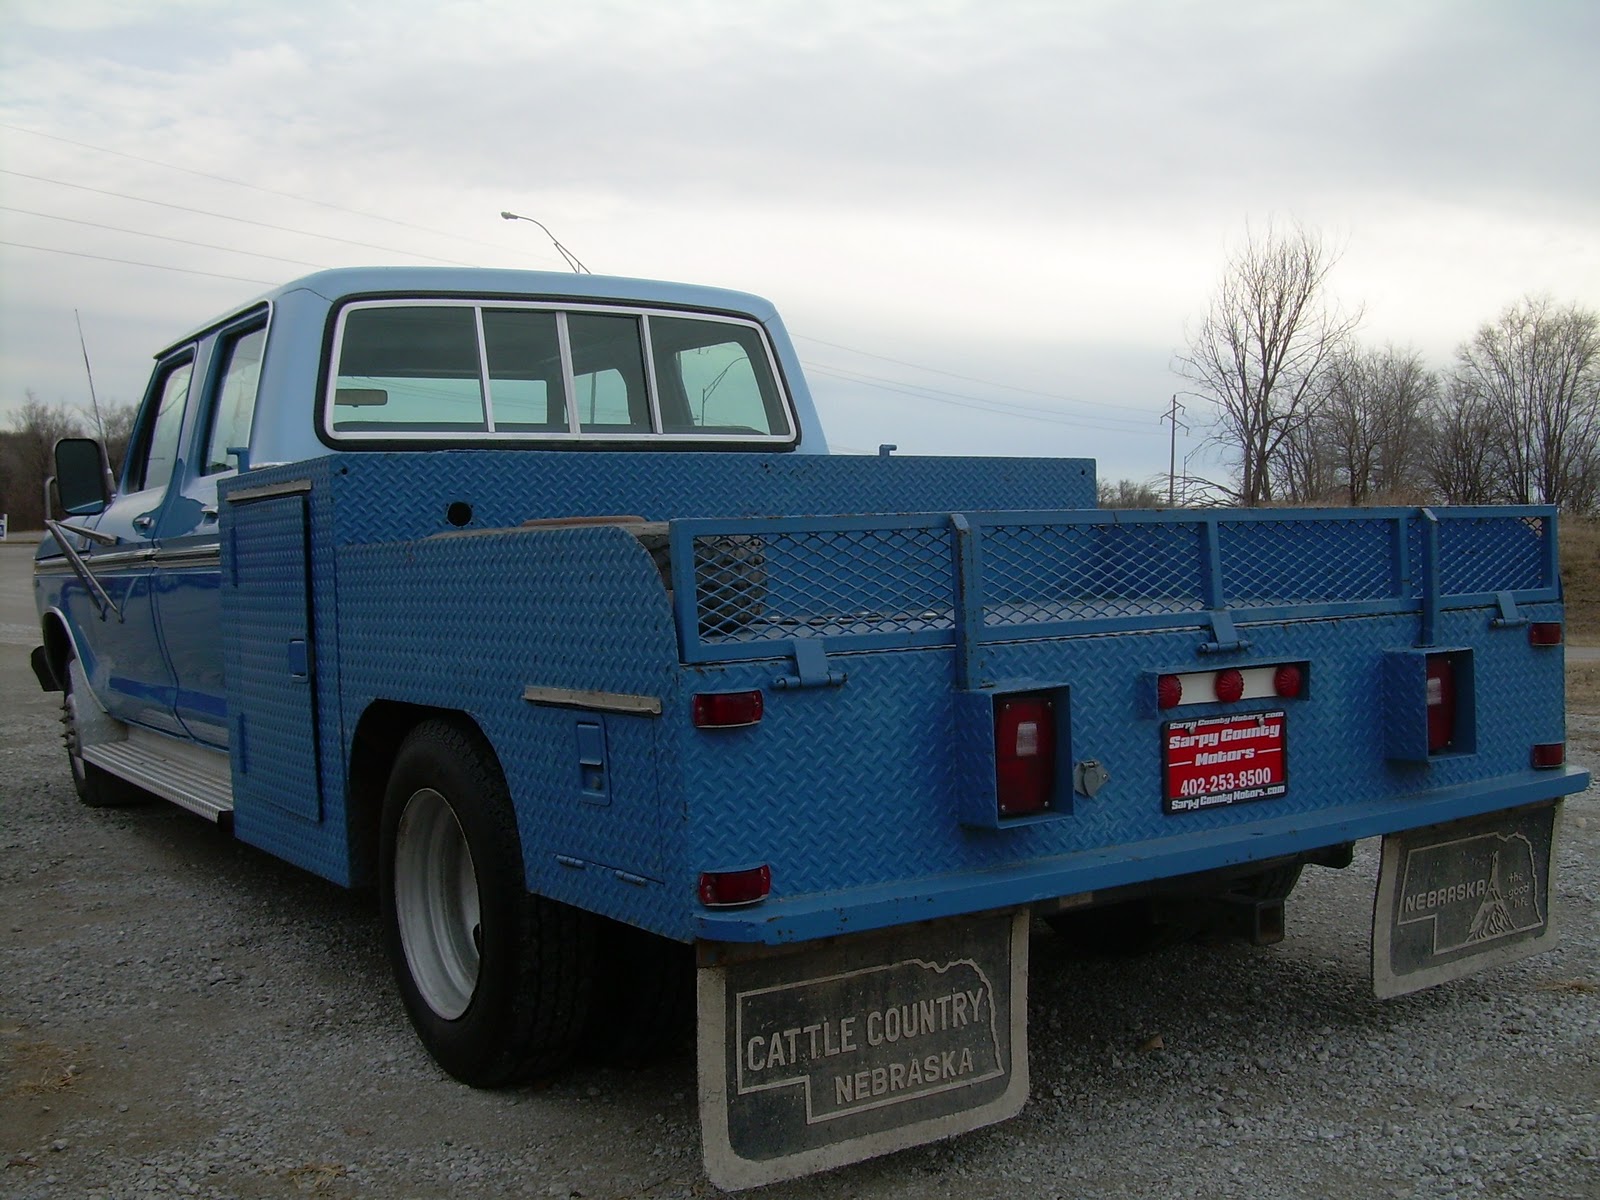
[
  {"x": 1058, "y": 572},
  {"x": 1267, "y": 563},
  {"x": 774, "y": 586},
  {"x": 856, "y": 578},
  {"x": 1492, "y": 554}
]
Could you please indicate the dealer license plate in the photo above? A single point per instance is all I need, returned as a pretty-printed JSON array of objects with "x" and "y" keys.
[
  {"x": 1212, "y": 762},
  {"x": 1454, "y": 899},
  {"x": 861, "y": 1046}
]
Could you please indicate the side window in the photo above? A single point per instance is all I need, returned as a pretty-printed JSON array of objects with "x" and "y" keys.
[
  {"x": 608, "y": 388},
  {"x": 150, "y": 465},
  {"x": 235, "y": 402},
  {"x": 714, "y": 377},
  {"x": 409, "y": 368}
]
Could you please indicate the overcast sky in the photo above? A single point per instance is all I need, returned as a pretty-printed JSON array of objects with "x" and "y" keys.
[{"x": 990, "y": 226}]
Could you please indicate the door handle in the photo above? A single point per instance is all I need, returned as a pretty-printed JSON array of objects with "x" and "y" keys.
[{"x": 145, "y": 523}]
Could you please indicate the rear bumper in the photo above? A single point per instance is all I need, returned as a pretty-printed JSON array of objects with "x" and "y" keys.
[{"x": 805, "y": 918}]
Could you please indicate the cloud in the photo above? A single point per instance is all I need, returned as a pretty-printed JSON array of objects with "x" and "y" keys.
[{"x": 1043, "y": 193}]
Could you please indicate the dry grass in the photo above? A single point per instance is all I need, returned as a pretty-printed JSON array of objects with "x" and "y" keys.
[
  {"x": 1580, "y": 577},
  {"x": 44, "y": 1068},
  {"x": 1580, "y": 987},
  {"x": 1580, "y": 585},
  {"x": 317, "y": 1177},
  {"x": 1583, "y": 689}
]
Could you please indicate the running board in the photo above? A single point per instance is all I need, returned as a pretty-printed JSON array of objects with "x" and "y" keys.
[{"x": 191, "y": 776}]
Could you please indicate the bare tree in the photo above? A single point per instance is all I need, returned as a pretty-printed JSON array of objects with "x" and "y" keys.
[
  {"x": 1128, "y": 493},
  {"x": 1536, "y": 372},
  {"x": 1262, "y": 347},
  {"x": 118, "y": 422},
  {"x": 1458, "y": 456},
  {"x": 27, "y": 457},
  {"x": 1371, "y": 421},
  {"x": 1306, "y": 467}
]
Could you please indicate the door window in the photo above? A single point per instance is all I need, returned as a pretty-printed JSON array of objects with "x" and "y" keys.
[
  {"x": 235, "y": 403},
  {"x": 150, "y": 465}
]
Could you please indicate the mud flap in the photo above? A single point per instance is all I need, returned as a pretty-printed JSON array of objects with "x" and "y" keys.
[
  {"x": 826, "y": 1055},
  {"x": 1456, "y": 898}
]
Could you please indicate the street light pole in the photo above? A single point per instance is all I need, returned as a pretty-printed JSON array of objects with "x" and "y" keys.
[{"x": 572, "y": 259}]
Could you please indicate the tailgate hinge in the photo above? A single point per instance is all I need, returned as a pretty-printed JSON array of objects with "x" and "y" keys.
[
  {"x": 1224, "y": 637},
  {"x": 811, "y": 667},
  {"x": 1510, "y": 617}
]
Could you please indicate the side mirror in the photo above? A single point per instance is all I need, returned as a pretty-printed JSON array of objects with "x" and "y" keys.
[{"x": 81, "y": 477}]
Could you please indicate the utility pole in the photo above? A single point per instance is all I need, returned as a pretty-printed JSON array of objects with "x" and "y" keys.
[{"x": 1172, "y": 450}]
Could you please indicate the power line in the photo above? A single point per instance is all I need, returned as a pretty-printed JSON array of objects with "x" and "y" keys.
[
  {"x": 981, "y": 403},
  {"x": 971, "y": 403},
  {"x": 128, "y": 262},
  {"x": 1010, "y": 387},
  {"x": 163, "y": 237},
  {"x": 327, "y": 237},
  {"x": 155, "y": 162}
]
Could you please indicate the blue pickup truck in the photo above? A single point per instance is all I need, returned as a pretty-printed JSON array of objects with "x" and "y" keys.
[{"x": 537, "y": 603}]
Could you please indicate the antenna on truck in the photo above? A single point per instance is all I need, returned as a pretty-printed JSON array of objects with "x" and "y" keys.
[
  {"x": 99, "y": 421},
  {"x": 99, "y": 424}
]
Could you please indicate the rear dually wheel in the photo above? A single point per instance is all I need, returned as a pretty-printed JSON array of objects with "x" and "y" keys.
[{"x": 496, "y": 981}]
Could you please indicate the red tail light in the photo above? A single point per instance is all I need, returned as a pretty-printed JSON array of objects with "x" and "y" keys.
[
  {"x": 727, "y": 710},
  {"x": 1024, "y": 754},
  {"x": 1229, "y": 686},
  {"x": 1548, "y": 755},
  {"x": 1169, "y": 691},
  {"x": 1544, "y": 633},
  {"x": 1441, "y": 703},
  {"x": 725, "y": 889},
  {"x": 1287, "y": 680}
]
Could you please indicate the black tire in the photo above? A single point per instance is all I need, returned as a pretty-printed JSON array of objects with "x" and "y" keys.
[
  {"x": 496, "y": 981},
  {"x": 643, "y": 1006},
  {"x": 95, "y": 787}
]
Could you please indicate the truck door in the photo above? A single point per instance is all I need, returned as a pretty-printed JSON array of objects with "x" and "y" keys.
[
  {"x": 187, "y": 564},
  {"x": 122, "y": 655}
]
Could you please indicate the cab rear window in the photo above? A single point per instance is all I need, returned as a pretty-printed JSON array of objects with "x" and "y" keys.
[{"x": 493, "y": 371}]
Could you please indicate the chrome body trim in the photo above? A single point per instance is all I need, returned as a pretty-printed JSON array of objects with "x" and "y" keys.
[
  {"x": 209, "y": 555},
  {"x": 292, "y": 487},
  {"x": 617, "y": 702}
]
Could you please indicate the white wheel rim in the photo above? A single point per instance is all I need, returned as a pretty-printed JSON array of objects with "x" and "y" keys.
[{"x": 436, "y": 903}]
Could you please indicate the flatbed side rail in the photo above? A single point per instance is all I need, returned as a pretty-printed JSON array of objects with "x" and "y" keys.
[{"x": 743, "y": 587}]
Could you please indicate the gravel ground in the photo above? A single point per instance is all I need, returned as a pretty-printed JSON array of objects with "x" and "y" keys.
[{"x": 181, "y": 1015}]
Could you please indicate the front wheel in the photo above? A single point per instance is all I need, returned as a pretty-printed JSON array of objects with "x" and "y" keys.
[
  {"x": 95, "y": 787},
  {"x": 496, "y": 981}
]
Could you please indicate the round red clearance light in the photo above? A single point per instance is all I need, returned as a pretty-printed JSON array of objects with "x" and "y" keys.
[
  {"x": 1169, "y": 691},
  {"x": 1287, "y": 680},
  {"x": 1229, "y": 685}
]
